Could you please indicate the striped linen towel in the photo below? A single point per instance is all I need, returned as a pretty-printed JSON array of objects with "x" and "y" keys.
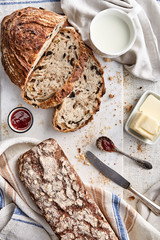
[{"x": 21, "y": 219}]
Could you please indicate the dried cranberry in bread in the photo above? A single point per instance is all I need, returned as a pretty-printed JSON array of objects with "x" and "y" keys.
[
  {"x": 25, "y": 35},
  {"x": 60, "y": 66},
  {"x": 60, "y": 194},
  {"x": 84, "y": 101}
]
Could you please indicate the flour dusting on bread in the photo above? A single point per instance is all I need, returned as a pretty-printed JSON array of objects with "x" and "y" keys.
[{"x": 60, "y": 194}]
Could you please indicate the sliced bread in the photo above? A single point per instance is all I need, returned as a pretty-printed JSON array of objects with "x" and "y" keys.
[
  {"x": 78, "y": 108},
  {"x": 60, "y": 66},
  {"x": 25, "y": 35}
]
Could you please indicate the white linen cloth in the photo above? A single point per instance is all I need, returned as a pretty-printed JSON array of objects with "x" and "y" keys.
[
  {"x": 20, "y": 219},
  {"x": 143, "y": 59},
  {"x": 154, "y": 194}
]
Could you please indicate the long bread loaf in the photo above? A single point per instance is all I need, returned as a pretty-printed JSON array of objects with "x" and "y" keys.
[{"x": 60, "y": 194}]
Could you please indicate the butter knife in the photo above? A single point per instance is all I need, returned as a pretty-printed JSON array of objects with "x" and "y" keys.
[{"x": 121, "y": 181}]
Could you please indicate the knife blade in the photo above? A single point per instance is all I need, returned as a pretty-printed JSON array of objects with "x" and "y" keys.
[
  {"x": 121, "y": 181},
  {"x": 107, "y": 171}
]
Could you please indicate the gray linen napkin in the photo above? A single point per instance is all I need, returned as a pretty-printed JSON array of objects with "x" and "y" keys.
[{"x": 143, "y": 59}]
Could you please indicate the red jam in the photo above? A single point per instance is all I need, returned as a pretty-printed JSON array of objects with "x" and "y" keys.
[
  {"x": 108, "y": 145},
  {"x": 21, "y": 119}
]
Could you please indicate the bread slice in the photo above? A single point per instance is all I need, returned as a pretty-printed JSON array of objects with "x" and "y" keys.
[
  {"x": 84, "y": 101},
  {"x": 25, "y": 35},
  {"x": 60, "y": 66},
  {"x": 60, "y": 194}
]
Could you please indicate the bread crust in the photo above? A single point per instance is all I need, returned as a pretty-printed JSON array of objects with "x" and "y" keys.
[
  {"x": 67, "y": 88},
  {"x": 23, "y": 35},
  {"x": 60, "y": 194},
  {"x": 99, "y": 95}
]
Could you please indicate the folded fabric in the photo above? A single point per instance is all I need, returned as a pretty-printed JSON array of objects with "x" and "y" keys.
[
  {"x": 143, "y": 59},
  {"x": 21, "y": 219},
  {"x": 154, "y": 194}
]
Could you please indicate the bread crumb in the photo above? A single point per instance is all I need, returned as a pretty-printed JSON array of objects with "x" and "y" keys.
[
  {"x": 129, "y": 107},
  {"x": 91, "y": 180},
  {"x": 102, "y": 131},
  {"x": 102, "y": 179},
  {"x": 110, "y": 78},
  {"x": 85, "y": 140},
  {"x": 131, "y": 198},
  {"x": 4, "y": 126},
  {"x": 19, "y": 105},
  {"x": 107, "y": 60},
  {"x": 83, "y": 159},
  {"x": 119, "y": 77},
  {"x": 41, "y": 122},
  {"x": 86, "y": 163},
  {"x": 139, "y": 148},
  {"x": 107, "y": 127},
  {"x": 104, "y": 67},
  {"x": 79, "y": 150},
  {"x": 80, "y": 157},
  {"x": 111, "y": 96}
]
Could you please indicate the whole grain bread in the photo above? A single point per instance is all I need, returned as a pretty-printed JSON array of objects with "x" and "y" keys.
[
  {"x": 60, "y": 194},
  {"x": 79, "y": 107},
  {"x": 25, "y": 35},
  {"x": 60, "y": 66}
]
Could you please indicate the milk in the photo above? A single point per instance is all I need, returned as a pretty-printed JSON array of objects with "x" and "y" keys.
[{"x": 111, "y": 34}]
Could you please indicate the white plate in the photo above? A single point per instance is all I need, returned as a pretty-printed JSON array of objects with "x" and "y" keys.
[{"x": 132, "y": 115}]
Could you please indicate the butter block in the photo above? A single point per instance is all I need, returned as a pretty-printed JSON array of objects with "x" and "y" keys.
[
  {"x": 146, "y": 126},
  {"x": 151, "y": 107}
]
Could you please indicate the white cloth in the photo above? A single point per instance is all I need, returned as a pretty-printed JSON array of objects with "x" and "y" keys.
[
  {"x": 20, "y": 219},
  {"x": 154, "y": 194},
  {"x": 143, "y": 59}
]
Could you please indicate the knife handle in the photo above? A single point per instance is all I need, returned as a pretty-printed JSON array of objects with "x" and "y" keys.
[{"x": 151, "y": 205}]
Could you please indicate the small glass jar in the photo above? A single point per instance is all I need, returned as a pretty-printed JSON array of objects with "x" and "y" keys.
[{"x": 20, "y": 119}]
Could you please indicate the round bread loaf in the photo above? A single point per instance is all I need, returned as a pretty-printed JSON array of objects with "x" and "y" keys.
[{"x": 25, "y": 35}]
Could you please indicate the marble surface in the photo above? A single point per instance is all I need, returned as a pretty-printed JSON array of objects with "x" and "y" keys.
[
  {"x": 140, "y": 178},
  {"x": 107, "y": 121},
  {"x": 122, "y": 92}
]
